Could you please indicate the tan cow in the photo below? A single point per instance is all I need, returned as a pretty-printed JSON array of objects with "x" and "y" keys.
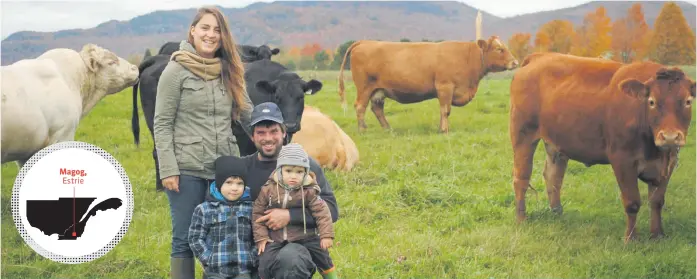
[
  {"x": 43, "y": 99},
  {"x": 325, "y": 141},
  {"x": 410, "y": 72},
  {"x": 634, "y": 117}
]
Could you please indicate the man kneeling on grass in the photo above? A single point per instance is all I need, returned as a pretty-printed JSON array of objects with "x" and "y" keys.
[{"x": 220, "y": 234}]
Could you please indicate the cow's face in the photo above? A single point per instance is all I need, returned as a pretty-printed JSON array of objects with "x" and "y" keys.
[
  {"x": 111, "y": 73},
  {"x": 668, "y": 101},
  {"x": 265, "y": 52},
  {"x": 251, "y": 53},
  {"x": 289, "y": 95},
  {"x": 497, "y": 57}
]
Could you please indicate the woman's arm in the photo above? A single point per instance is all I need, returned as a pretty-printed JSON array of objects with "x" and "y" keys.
[{"x": 166, "y": 106}]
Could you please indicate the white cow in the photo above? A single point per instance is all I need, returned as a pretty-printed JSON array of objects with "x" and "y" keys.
[
  {"x": 325, "y": 141},
  {"x": 43, "y": 99}
]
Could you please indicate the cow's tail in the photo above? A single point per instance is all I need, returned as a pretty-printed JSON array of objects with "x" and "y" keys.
[
  {"x": 135, "y": 123},
  {"x": 341, "y": 75}
]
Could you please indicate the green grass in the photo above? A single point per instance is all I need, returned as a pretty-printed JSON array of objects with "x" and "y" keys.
[{"x": 419, "y": 205}]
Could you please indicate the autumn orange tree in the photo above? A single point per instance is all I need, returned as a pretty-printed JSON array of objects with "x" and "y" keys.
[
  {"x": 310, "y": 49},
  {"x": 592, "y": 39},
  {"x": 542, "y": 42},
  {"x": 519, "y": 45},
  {"x": 555, "y": 36},
  {"x": 673, "y": 42},
  {"x": 630, "y": 36},
  {"x": 294, "y": 52},
  {"x": 288, "y": 56}
]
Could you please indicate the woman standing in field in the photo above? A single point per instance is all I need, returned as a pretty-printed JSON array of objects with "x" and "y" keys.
[{"x": 200, "y": 93}]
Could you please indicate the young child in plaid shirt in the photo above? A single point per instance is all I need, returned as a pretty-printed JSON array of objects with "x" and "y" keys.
[{"x": 220, "y": 234}]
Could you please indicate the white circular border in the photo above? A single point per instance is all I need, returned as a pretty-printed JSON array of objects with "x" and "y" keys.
[{"x": 18, "y": 219}]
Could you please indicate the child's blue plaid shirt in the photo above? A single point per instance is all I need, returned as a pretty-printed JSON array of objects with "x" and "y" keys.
[{"x": 221, "y": 235}]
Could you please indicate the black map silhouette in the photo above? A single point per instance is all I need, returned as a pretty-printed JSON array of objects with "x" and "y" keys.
[{"x": 56, "y": 216}]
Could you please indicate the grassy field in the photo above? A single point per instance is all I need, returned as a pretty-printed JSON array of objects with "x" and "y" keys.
[{"x": 419, "y": 205}]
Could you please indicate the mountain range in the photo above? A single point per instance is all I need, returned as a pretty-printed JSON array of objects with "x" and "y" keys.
[{"x": 327, "y": 23}]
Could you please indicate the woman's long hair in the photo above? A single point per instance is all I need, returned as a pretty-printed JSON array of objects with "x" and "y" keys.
[{"x": 232, "y": 67}]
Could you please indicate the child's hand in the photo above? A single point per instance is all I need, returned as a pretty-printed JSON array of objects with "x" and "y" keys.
[
  {"x": 325, "y": 243},
  {"x": 261, "y": 245}
]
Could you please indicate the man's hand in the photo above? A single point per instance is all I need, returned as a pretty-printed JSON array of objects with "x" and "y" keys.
[
  {"x": 171, "y": 183},
  {"x": 325, "y": 243},
  {"x": 261, "y": 245},
  {"x": 275, "y": 218}
]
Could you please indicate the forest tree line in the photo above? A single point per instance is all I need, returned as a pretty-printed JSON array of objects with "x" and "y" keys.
[{"x": 671, "y": 41}]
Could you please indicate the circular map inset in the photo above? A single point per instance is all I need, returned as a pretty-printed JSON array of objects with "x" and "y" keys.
[{"x": 72, "y": 202}]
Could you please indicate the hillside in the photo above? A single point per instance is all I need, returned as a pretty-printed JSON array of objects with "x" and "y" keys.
[
  {"x": 326, "y": 23},
  {"x": 530, "y": 23}
]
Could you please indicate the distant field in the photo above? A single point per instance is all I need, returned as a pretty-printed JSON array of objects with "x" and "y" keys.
[{"x": 419, "y": 205}]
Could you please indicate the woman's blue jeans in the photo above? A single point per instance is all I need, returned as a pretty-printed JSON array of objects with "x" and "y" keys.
[{"x": 192, "y": 192}]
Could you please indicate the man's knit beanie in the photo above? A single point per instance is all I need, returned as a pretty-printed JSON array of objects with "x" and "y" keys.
[
  {"x": 293, "y": 154},
  {"x": 227, "y": 166}
]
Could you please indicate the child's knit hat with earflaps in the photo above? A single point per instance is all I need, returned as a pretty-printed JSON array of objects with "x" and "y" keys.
[{"x": 293, "y": 154}]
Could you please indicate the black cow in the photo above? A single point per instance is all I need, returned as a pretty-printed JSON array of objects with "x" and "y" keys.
[
  {"x": 169, "y": 48},
  {"x": 269, "y": 81},
  {"x": 247, "y": 53},
  {"x": 151, "y": 68},
  {"x": 150, "y": 71}
]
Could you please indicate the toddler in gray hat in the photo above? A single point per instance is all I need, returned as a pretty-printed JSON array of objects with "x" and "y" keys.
[{"x": 293, "y": 185}]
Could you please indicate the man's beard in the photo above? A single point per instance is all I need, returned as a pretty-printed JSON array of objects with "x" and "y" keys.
[{"x": 273, "y": 154}]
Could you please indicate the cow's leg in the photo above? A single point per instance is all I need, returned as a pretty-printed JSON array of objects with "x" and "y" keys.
[
  {"x": 445, "y": 98},
  {"x": 626, "y": 175},
  {"x": 523, "y": 153},
  {"x": 656, "y": 193},
  {"x": 158, "y": 182},
  {"x": 524, "y": 139},
  {"x": 377, "y": 104},
  {"x": 362, "y": 98},
  {"x": 555, "y": 167},
  {"x": 656, "y": 200}
]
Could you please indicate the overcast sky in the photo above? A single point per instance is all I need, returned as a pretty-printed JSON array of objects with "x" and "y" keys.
[{"x": 54, "y": 15}]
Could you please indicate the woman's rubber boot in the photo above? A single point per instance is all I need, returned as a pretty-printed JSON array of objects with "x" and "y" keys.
[{"x": 182, "y": 268}]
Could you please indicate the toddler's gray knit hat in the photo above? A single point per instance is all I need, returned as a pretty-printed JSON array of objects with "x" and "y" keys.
[{"x": 293, "y": 154}]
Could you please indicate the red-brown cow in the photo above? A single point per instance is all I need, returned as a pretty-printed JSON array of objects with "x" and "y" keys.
[
  {"x": 414, "y": 72},
  {"x": 631, "y": 116}
]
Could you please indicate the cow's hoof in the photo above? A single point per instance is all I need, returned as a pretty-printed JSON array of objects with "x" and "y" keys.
[
  {"x": 630, "y": 238},
  {"x": 657, "y": 236},
  {"x": 558, "y": 210},
  {"x": 521, "y": 217}
]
